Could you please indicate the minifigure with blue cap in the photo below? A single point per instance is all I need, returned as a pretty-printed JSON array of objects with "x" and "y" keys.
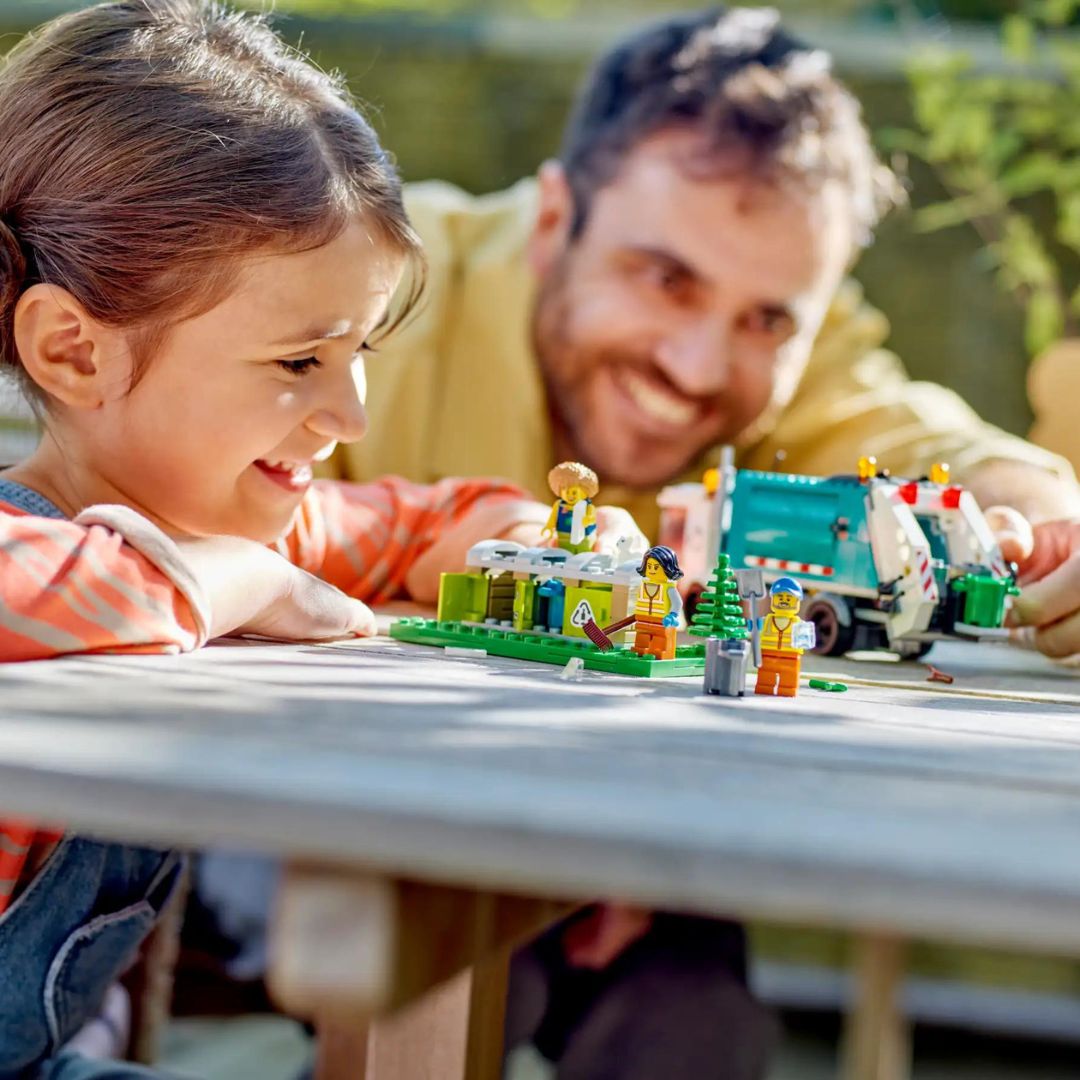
[{"x": 784, "y": 636}]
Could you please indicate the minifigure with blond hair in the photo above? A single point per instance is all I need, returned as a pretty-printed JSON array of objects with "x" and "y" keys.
[{"x": 573, "y": 517}]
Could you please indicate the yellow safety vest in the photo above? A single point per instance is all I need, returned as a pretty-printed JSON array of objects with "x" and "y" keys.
[
  {"x": 773, "y": 635},
  {"x": 653, "y": 600}
]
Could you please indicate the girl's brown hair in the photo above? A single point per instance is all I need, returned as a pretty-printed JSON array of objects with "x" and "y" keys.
[{"x": 146, "y": 146}]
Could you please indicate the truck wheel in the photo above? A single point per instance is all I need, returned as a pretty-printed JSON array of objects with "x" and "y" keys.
[
  {"x": 911, "y": 650},
  {"x": 833, "y": 621}
]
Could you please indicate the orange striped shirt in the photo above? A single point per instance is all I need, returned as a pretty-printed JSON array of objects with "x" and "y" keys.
[{"x": 71, "y": 588}]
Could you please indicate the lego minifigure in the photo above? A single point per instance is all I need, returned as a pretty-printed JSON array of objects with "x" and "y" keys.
[
  {"x": 784, "y": 636},
  {"x": 658, "y": 603},
  {"x": 867, "y": 468},
  {"x": 573, "y": 517}
]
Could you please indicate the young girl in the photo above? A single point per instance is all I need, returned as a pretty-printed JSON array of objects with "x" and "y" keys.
[{"x": 199, "y": 240}]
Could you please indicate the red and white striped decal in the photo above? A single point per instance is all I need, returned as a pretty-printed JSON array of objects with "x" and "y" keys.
[
  {"x": 787, "y": 564},
  {"x": 926, "y": 574}
]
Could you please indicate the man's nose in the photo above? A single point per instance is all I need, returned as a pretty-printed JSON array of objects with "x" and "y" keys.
[
  {"x": 695, "y": 355},
  {"x": 340, "y": 413}
]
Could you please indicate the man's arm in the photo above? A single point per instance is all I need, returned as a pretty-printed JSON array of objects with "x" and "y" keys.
[{"x": 1039, "y": 495}]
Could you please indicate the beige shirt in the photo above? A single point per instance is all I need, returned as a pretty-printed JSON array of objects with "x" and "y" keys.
[{"x": 457, "y": 392}]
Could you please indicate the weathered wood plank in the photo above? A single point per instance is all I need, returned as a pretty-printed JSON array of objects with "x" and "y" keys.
[{"x": 872, "y": 808}]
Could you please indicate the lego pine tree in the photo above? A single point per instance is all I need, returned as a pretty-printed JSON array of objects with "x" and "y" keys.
[{"x": 719, "y": 612}]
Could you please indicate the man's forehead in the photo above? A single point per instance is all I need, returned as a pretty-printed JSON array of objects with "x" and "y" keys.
[{"x": 722, "y": 224}]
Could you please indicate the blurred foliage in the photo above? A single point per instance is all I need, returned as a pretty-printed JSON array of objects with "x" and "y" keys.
[
  {"x": 477, "y": 102},
  {"x": 1007, "y": 148},
  {"x": 550, "y": 9}
]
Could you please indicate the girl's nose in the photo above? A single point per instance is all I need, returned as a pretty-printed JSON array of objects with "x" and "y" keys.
[{"x": 341, "y": 414}]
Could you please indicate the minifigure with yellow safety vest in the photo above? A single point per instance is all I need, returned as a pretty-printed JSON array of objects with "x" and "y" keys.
[
  {"x": 658, "y": 604},
  {"x": 573, "y": 517},
  {"x": 783, "y": 637}
]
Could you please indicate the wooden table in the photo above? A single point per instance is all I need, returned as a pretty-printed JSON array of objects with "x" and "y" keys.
[{"x": 433, "y": 810}]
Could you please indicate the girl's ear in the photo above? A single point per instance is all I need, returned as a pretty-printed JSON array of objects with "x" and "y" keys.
[
  {"x": 64, "y": 350},
  {"x": 554, "y": 216}
]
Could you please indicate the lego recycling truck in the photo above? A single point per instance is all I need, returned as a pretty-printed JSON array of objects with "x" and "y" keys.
[{"x": 886, "y": 563}]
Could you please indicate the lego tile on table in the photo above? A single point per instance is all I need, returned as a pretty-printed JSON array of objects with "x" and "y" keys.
[{"x": 690, "y": 659}]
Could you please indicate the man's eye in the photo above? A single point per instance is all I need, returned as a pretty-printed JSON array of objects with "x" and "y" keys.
[
  {"x": 670, "y": 280},
  {"x": 299, "y": 367},
  {"x": 770, "y": 321}
]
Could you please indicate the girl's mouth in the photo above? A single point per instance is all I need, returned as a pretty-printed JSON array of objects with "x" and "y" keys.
[{"x": 288, "y": 475}]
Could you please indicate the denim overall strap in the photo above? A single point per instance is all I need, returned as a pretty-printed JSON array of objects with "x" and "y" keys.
[
  {"x": 29, "y": 500},
  {"x": 66, "y": 939}
]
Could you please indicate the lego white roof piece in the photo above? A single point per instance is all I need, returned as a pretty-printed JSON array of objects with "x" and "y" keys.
[
  {"x": 493, "y": 553},
  {"x": 597, "y": 566}
]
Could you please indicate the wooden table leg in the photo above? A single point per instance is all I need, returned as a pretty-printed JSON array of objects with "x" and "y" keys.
[
  {"x": 487, "y": 1017},
  {"x": 876, "y": 1043},
  {"x": 341, "y": 1049},
  {"x": 406, "y": 981},
  {"x": 454, "y": 1032}
]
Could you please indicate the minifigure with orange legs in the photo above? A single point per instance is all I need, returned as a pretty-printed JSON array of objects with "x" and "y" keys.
[
  {"x": 784, "y": 636},
  {"x": 656, "y": 610}
]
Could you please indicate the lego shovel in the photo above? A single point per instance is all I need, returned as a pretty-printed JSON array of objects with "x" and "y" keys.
[{"x": 752, "y": 589}]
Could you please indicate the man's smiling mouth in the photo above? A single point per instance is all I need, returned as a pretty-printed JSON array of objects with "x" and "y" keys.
[{"x": 658, "y": 404}]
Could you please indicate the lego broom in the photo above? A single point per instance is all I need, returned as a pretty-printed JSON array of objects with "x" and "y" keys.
[{"x": 599, "y": 635}]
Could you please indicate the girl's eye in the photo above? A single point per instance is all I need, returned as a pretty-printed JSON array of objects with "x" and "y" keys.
[{"x": 299, "y": 367}]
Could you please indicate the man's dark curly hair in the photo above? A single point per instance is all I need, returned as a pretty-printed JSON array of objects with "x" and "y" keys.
[{"x": 763, "y": 101}]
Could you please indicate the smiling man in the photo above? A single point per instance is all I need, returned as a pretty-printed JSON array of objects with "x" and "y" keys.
[{"x": 673, "y": 282}]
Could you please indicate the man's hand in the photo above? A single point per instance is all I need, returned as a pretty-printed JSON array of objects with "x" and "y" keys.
[
  {"x": 1048, "y": 556},
  {"x": 612, "y": 524},
  {"x": 603, "y": 933}
]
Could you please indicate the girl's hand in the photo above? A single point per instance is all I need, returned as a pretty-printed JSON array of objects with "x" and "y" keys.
[{"x": 253, "y": 590}]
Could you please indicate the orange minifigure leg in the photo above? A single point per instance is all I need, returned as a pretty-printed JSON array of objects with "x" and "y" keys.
[
  {"x": 789, "y": 677},
  {"x": 767, "y": 678},
  {"x": 653, "y": 639}
]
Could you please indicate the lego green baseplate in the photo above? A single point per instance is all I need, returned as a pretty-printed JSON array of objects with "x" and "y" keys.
[{"x": 689, "y": 659}]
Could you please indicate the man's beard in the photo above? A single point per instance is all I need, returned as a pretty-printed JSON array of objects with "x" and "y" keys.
[{"x": 568, "y": 369}]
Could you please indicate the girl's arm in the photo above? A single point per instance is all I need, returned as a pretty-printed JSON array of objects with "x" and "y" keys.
[
  {"x": 80, "y": 586},
  {"x": 393, "y": 538},
  {"x": 110, "y": 581}
]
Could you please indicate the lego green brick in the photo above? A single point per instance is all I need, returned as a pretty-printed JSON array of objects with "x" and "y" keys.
[
  {"x": 584, "y": 602},
  {"x": 462, "y": 596},
  {"x": 524, "y": 604},
  {"x": 499, "y": 641}
]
